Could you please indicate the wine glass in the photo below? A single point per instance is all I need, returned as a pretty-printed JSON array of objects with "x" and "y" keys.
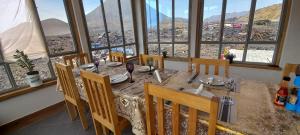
[
  {"x": 96, "y": 63},
  {"x": 130, "y": 68},
  {"x": 150, "y": 63}
]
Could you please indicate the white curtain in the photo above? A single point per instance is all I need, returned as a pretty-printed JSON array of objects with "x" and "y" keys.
[{"x": 19, "y": 30}]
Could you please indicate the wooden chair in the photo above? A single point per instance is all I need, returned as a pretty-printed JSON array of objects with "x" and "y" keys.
[
  {"x": 208, "y": 62},
  {"x": 101, "y": 102},
  {"x": 117, "y": 56},
  {"x": 288, "y": 69},
  {"x": 158, "y": 60},
  {"x": 83, "y": 57},
  {"x": 72, "y": 98},
  {"x": 193, "y": 102}
]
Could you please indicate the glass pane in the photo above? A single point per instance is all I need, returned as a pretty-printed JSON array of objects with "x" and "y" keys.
[
  {"x": 5, "y": 84},
  {"x": 167, "y": 48},
  {"x": 19, "y": 73},
  {"x": 236, "y": 20},
  {"x": 151, "y": 20},
  {"x": 262, "y": 53},
  {"x": 209, "y": 51},
  {"x": 100, "y": 53},
  {"x": 181, "y": 20},
  {"x": 236, "y": 49},
  {"x": 55, "y": 60},
  {"x": 55, "y": 25},
  {"x": 165, "y": 20},
  {"x": 95, "y": 24},
  {"x": 118, "y": 49},
  {"x": 113, "y": 22},
  {"x": 153, "y": 49},
  {"x": 181, "y": 50},
  {"x": 130, "y": 51},
  {"x": 127, "y": 21},
  {"x": 266, "y": 20},
  {"x": 211, "y": 20}
]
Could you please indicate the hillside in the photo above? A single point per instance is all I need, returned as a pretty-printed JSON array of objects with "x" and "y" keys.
[
  {"x": 266, "y": 13},
  {"x": 53, "y": 27},
  {"x": 94, "y": 18}
]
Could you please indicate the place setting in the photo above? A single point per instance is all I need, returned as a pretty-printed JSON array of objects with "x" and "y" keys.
[{"x": 120, "y": 78}]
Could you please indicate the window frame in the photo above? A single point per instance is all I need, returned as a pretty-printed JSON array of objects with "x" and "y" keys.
[
  {"x": 6, "y": 65},
  {"x": 278, "y": 42},
  {"x": 173, "y": 42},
  {"x": 109, "y": 47}
]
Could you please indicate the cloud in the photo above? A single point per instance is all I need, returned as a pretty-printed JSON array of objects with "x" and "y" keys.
[{"x": 210, "y": 8}]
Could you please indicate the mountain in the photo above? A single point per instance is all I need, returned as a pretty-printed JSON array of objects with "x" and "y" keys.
[
  {"x": 53, "y": 27},
  {"x": 230, "y": 16},
  {"x": 266, "y": 13},
  {"x": 94, "y": 18}
]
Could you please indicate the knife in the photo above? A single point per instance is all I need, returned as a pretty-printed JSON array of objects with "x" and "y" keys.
[{"x": 194, "y": 76}]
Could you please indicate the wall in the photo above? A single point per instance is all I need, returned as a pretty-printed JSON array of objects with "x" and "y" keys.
[{"x": 18, "y": 107}]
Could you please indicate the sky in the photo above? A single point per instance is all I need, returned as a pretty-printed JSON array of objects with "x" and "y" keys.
[
  {"x": 55, "y": 8},
  {"x": 51, "y": 9},
  {"x": 165, "y": 7}
]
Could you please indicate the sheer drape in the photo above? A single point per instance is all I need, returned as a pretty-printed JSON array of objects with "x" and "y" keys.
[{"x": 20, "y": 30}]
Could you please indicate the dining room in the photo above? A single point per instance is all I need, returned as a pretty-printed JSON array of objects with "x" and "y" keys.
[{"x": 146, "y": 67}]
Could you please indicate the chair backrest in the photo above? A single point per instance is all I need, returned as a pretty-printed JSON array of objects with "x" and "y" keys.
[
  {"x": 288, "y": 69},
  {"x": 158, "y": 60},
  {"x": 117, "y": 56},
  {"x": 83, "y": 58},
  {"x": 101, "y": 99},
  {"x": 193, "y": 102},
  {"x": 209, "y": 62},
  {"x": 67, "y": 82}
]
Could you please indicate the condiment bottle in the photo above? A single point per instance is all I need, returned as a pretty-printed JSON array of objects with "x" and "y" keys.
[{"x": 282, "y": 93}]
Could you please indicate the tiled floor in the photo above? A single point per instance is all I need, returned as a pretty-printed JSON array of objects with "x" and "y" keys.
[{"x": 60, "y": 124}]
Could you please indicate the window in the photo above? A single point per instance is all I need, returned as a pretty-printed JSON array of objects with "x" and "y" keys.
[
  {"x": 54, "y": 20},
  {"x": 110, "y": 27},
  {"x": 248, "y": 29},
  {"x": 168, "y": 27},
  {"x": 21, "y": 30},
  {"x": 56, "y": 27}
]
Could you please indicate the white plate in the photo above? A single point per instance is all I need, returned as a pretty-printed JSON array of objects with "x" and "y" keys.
[
  {"x": 217, "y": 80},
  {"x": 144, "y": 69},
  {"x": 114, "y": 64},
  {"x": 93, "y": 69},
  {"x": 118, "y": 78},
  {"x": 89, "y": 65}
]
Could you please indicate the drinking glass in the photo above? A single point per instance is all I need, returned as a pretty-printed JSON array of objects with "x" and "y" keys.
[
  {"x": 104, "y": 57},
  {"x": 96, "y": 63},
  {"x": 150, "y": 64},
  {"x": 130, "y": 68}
]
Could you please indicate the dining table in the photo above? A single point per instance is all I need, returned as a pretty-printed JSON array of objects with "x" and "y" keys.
[{"x": 254, "y": 111}]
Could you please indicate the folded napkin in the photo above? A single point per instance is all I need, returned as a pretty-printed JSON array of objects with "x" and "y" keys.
[{"x": 157, "y": 76}]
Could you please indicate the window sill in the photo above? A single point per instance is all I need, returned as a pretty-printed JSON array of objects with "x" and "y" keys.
[
  {"x": 22, "y": 91},
  {"x": 256, "y": 66},
  {"x": 176, "y": 59}
]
